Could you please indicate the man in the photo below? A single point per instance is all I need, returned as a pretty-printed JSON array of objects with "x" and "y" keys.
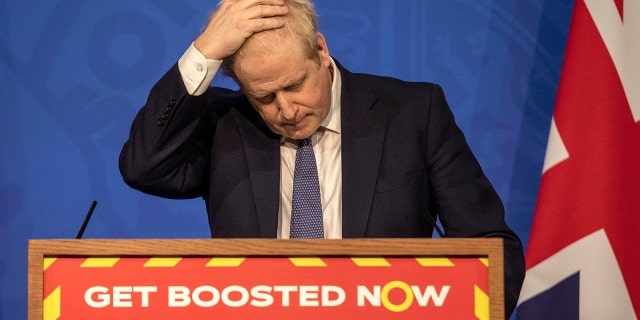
[{"x": 388, "y": 153}]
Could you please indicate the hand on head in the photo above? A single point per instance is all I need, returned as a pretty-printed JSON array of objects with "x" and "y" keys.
[{"x": 236, "y": 20}]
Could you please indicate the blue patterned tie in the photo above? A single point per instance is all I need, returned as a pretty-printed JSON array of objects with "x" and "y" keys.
[{"x": 306, "y": 207}]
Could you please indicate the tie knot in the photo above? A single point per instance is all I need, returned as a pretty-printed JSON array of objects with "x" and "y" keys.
[{"x": 305, "y": 142}]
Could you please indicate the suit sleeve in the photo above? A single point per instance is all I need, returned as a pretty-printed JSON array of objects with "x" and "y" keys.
[
  {"x": 168, "y": 147},
  {"x": 466, "y": 202}
]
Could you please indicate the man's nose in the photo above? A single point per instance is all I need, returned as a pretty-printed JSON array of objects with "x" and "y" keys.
[{"x": 288, "y": 110}]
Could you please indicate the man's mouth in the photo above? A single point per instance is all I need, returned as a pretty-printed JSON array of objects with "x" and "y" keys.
[{"x": 295, "y": 124}]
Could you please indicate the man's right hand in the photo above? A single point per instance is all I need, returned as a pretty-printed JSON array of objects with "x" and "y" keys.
[{"x": 236, "y": 20}]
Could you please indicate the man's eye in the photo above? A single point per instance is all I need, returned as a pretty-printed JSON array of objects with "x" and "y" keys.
[
  {"x": 265, "y": 99},
  {"x": 295, "y": 87}
]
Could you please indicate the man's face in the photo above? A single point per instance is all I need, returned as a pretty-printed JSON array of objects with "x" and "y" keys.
[{"x": 290, "y": 91}]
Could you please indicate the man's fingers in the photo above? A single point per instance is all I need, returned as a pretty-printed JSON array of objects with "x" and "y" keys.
[
  {"x": 264, "y": 17},
  {"x": 265, "y": 11},
  {"x": 264, "y": 2},
  {"x": 236, "y": 20},
  {"x": 251, "y": 9},
  {"x": 251, "y": 3},
  {"x": 263, "y": 24}
]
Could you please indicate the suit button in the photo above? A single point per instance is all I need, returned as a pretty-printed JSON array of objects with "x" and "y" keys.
[
  {"x": 164, "y": 116},
  {"x": 172, "y": 102},
  {"x": 160, "y": 123}
]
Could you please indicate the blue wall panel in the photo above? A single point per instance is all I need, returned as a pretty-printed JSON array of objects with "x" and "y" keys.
[{"x": 73, "y": 73}]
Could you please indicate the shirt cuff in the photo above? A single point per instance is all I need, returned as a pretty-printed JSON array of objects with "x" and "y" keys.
[{"x": 197, "y": 71}]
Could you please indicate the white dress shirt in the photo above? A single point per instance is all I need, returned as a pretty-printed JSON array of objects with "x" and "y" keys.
[{"x": 198, "y": 73}]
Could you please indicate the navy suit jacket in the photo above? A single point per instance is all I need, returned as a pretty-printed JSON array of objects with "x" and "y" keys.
[{"x": 403, "y": 157}]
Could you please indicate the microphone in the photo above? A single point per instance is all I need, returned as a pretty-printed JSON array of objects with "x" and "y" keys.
[
  {"x": 86, "y": 219},
  {"x": 433, "y": 224}
]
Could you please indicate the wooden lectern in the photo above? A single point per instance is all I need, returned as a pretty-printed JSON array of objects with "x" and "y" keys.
[{"x": 266, "y": 279}]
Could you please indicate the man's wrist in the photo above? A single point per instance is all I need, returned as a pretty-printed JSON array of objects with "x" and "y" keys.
[{"x": 197, "y": 71}]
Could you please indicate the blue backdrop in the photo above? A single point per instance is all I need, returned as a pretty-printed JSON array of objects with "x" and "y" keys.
[{"x": 73, "y": 73}]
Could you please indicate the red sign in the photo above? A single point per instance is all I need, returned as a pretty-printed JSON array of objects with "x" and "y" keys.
[{"x": 265, "y": 288}]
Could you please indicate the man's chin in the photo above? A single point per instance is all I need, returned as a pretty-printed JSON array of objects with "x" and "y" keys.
[{"x": 298, "y": 134}]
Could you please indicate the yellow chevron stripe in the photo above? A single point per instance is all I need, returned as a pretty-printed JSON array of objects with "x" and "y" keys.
[
  {"x": 434, "y": 262},
  {"x": 100, "y": 262},
  {"x": 51, "y": 305},
  {"x": 162, "y": 262},
  {"x": 48, "y": 262},
  {"x": 485, "y": 261},
  {"x": 370, "y": 261},
  {"x": 225, "y": 262},
  {"x": 481, "y": 303},
  {"x": 307, "y": 262}
]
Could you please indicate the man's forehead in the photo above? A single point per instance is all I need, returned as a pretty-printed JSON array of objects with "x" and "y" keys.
[{"x": 270, "y": 83}]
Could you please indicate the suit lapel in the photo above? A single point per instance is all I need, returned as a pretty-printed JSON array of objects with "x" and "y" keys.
[
  {"x": 363, "y": 132},
  {"x": 262, "y": 151}
]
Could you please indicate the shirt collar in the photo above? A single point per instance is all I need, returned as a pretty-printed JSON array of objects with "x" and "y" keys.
[{"x": 332, "y": 121}]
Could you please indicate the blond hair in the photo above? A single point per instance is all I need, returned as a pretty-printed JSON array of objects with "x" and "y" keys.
[{"x": 300, "y": 21}]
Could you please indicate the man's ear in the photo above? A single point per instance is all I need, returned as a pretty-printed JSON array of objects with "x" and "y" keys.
[{"x": 323, "y": 50}]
